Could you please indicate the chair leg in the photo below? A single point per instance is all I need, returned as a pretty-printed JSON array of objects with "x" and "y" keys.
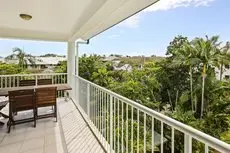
[
  {"x": 35, "y": 117},
  {"x": 9, "y": 126},
  {"x": 55, "y": 111}
]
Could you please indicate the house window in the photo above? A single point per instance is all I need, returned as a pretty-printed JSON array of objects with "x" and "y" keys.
[
  {"x": 227, "y": 66},
  {"x": 227, "y": 77}
]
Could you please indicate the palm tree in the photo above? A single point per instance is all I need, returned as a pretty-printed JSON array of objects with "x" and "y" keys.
[
  {"x": 208, "y": 53},
  {"x": 22, "y": 57},
  {"x": 188, "y": 56},
  {"x": 224, "y": 58}
]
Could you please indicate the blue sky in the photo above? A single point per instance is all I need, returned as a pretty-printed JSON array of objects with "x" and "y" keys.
[{"x": 147, "y": 33}]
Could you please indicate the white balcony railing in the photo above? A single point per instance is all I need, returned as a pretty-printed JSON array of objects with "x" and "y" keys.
[
  {"x": 127, "y": 126},
  {"x": 9, "y": 81}
]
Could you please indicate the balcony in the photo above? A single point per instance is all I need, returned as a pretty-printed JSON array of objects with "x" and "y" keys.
[{"x": 97, "y": 120}]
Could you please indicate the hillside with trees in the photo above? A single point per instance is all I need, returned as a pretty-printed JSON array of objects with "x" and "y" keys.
[
  {"x": 51, "y": 55},
  {"x": 136, "y": 61}
]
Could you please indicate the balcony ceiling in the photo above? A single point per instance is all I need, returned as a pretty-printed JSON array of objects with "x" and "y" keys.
[{"x": 63, "y": 20}]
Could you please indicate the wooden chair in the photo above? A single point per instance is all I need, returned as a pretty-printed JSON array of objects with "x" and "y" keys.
[
  {"x": 27, "y": 83},
  {"x": 21, "y": 100},
  {"x": 46, "y": 97},
  {"x": 44, "y": 81}
]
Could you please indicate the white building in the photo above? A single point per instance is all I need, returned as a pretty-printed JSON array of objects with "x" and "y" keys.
[
  {"x": 115, "y": 60},
  {"x": 40, "y": 62},
  {"x": 226, "y": 72},
  {"x": 125, "y": 67},
  {"x": 46, "y": 62}
]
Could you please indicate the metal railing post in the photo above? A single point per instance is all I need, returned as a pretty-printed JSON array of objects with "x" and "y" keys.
[
  {"x": 88, "y": 99},
  {"x": 111, "y": 123},
  {"x": 17, "y": 81},
  {"x": 187, "y": 143},
  {"x": 36, "y": 80}
]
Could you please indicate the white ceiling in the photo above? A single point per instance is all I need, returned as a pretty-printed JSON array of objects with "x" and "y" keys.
[{"x": 63, "y": 20}]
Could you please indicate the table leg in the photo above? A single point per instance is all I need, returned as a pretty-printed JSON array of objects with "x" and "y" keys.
[{"x": 66, "y": 96}]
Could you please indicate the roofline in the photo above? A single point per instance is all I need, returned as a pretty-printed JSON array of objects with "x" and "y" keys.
[{"x": 74, "y": 37}]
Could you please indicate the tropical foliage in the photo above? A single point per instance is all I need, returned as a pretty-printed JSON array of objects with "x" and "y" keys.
[
  {"x": 182, "y": 86},
  {"x": 21, "y": 57},
  {"x": 7, "y": 69}
]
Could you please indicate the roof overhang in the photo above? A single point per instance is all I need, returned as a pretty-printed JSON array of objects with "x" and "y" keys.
[{"x": 61, "y": 20}]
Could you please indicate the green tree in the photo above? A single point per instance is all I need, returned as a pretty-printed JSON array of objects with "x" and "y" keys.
[
  {"x": 62, "y": 67},
  {"x": 88, "y": 65},
  {"x": 175, "y": 45},
  {"x": 187, "y": 55},
  {"x": 208, "y": 52},
  {"x": 101, "y": 77},
  {"x": 22, "y": 57},
  {"x": 6, "y": 69}
]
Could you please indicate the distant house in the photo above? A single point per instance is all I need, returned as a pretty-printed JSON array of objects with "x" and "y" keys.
[
  {"x": 40, "y": 62},
  {"x": 114, "y": 59},
  {"x": 46, "y": 62},
  {"x": 226, "y": 72},
  {"x": 125, "y": 67}
]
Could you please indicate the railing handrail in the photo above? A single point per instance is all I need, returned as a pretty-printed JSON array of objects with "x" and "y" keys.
[
  {"x": 34, "y": 74},
  {"x": 201, "y": 136}
]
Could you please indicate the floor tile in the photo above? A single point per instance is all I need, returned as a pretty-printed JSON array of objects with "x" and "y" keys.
[
  {"x": 11, "y": 148},
  {"x": 55, "y": 148},
  {"x": 40, "y": 150},
  {"x": 9, "y": 139},
  {"x": 52, "y": 139},
  {"x": 32, "y": 144},
  {"x": 34, "y": 134}
]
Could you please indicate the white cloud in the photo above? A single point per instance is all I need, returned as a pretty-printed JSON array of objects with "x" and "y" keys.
[
  {"x": 163, "y": 5},
  {"x": 132, "y": 22},
  {"x": 172, "y": 4}
]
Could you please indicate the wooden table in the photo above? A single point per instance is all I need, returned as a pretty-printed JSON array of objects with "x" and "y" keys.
[{"x": 60, "y": 87}]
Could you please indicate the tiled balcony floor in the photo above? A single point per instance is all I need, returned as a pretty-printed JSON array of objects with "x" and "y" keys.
[{"x": 69, "y": 134}]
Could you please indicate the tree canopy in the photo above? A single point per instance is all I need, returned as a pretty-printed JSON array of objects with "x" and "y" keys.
[{"x": 183, "y": 85}]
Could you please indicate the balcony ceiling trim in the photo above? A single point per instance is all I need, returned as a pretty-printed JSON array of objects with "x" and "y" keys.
[{"x": 61, "y": 21}]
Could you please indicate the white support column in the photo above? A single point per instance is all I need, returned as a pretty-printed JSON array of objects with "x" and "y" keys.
[
  {"x": 76, "y": 73},
  {"x": 76, "y": 61},
  {"x": 71, "y": 67}
]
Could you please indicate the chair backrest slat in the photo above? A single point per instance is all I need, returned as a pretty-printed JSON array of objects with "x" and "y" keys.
[
  {"x": 46, "y": 96},
  {"x": 21, "y": 100},
  {"x": 44, "y": 81},
  {"x": 27, "y": 83}
]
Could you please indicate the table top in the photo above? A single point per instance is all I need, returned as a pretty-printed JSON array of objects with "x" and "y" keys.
[{"x": 60, "y": 87}]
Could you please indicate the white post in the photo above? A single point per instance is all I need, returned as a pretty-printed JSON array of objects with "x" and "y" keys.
[
  {"x": 76, "y": 73},
  {"x": 36, "y": 80},
  {"x": 187, "y": 143},
  {"x": 76, "y": 61},
  {"x": 88, "y": 99},
  {"x": 71, "y": 67},
  {"x": 111, "y": 123}
]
